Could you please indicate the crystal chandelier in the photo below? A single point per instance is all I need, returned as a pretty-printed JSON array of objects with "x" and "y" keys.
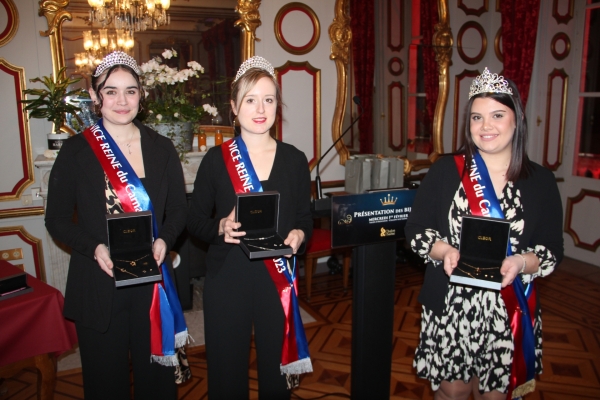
[
  {"x": 131, "y": 15},
  {"x": 98, "y": 45}
]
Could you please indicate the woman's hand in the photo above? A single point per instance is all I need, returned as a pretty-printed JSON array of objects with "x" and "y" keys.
[
  {"x": 159, "y": 249},
  {"x": 227, "y": 228},
  {"x": 447, "y": 253},
  {"x": 102, "y": 256},
  {"x": 510, "y": 269},
  {"x": 294, "y": 240}
]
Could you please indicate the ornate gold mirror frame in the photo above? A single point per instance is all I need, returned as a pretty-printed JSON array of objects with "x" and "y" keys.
[
  {"x": 341, "y": 36},
  {"x": 55, "y": 13}
]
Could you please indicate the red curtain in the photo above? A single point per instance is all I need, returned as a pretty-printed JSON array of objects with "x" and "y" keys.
[
  {"x": 429, "y": 19},
  {"x": 220, "y": 36},
  {"x": 362, "y": 22},
  {"x": 519, "y": 31}
]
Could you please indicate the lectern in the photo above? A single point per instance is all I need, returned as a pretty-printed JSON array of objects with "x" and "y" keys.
[{"x": 372, "y": 222}]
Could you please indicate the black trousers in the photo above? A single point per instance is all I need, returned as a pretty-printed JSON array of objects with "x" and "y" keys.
[
  {"x": 105, "y": 357},
  {"x": 240, "y": 298}
]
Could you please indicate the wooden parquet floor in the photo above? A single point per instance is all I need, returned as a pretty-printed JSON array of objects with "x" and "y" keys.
[{"x": 571, "y": 316}]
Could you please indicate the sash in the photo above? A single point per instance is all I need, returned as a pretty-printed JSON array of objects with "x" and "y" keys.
[
  {"x": 168, "y": 329},
  {"x": 520, "y": 301},
  {"x": 295, "y": 358}
]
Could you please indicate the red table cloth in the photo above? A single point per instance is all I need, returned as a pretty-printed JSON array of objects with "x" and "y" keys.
[{"x": 32, "y": 323}]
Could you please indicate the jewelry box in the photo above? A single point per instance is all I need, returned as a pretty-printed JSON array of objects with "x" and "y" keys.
[
  {"x": 130, "y": 244},
  {"x": 13, "y": 281},
  {"x": 483, "y": 245},
  {"x": 259, "y": 214}
]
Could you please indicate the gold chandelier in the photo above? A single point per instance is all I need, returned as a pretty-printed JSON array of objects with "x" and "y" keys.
[
  {"x": 131, "y": 15},
  {"x": 98, "y": 45}
]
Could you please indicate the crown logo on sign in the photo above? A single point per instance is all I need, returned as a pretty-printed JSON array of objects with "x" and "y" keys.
[
  {"x": 389, "y": 200},
  {"x": 254, "y": 62},
  {"x": 117, "y": 58},
  {"x": 489, "y": 83}
]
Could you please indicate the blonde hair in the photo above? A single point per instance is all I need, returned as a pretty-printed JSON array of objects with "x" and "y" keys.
[{"x": 245, "y": 83}]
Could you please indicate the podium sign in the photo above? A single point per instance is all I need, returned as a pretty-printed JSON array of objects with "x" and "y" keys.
[{"x": 372, "y": 217}]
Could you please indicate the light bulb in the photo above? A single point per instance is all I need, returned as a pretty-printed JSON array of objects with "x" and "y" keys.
[{"x": 103, "y": 37}]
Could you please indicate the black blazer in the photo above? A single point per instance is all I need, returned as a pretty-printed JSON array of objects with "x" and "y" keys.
[
  {"x": 77, "y": 183},
  {"x": 214, "y": 198},
  {"x": 542, "y": 212}
]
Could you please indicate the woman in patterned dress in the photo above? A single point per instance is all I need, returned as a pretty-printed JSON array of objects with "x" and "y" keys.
[{"x": 466, "y": 343}]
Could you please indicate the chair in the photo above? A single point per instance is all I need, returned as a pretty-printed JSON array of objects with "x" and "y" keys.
[{"x": 319, "y": 246}]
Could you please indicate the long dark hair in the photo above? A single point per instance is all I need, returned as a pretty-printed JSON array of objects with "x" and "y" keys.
[
  {"x": 98, "y": 83},
  {"x": 519, "y": 166}
]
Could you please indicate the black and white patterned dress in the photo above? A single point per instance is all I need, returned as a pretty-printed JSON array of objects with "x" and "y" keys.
[{"x": 472, "y": 336}]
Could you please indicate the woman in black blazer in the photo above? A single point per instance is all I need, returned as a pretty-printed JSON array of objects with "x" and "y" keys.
[
  {"x": 241, "y": 297},
  {"x": 113, "y": 324}
]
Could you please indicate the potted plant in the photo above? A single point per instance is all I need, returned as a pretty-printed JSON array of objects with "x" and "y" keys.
[
  {"x": 51, "y": 104},
  {"x": 173, "y": 100}
]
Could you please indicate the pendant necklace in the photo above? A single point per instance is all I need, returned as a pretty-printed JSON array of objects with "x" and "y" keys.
[{"x": 128, "y": 144}]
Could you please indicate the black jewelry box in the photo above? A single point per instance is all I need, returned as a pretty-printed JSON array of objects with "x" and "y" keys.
[
  {"x": 259, "y": 214},
  {"x": 483, "y": 245},
  {"x": 13, "y": 282},
  {"x": 130, "y": 244}
]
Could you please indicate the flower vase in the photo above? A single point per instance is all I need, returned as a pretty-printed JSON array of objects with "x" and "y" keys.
[{"x": 181, "y": 133}]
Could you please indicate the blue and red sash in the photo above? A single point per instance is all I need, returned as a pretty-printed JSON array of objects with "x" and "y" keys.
[
  {"x": 294, "y": 355},
  {"x": 168, "y": 329},
  {"x": 520, "y": 301}
]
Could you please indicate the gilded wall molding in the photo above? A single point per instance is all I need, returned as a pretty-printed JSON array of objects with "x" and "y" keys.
[
  {"x": 12, "y": 23},
  {"x": 562, "y": 75},
  {"x": 249, "y": 21},
  {"x": 560, "y": 36},
  {"x": 340, "y": 34},
  {"x": 563, "y": 18},
  {"x": 571, "y": 202},
  {"x": 21, "y": 212},
  {"x": 389, "y": 26},
  {"x": 397, "y": 85},
  {"x": 55, "y": 13},
  {"x": 498, "y": 45},
  {"x": 473, "y": 11},
  {"x": 396, "y": 71},
  {"x": 17, "y": 74},
  {"x": 36, "y": 247},
  {"x": 466, "y": 26},
  {"x": 442, "y": 45},
  {"x": 308, "y": 47},
  {"x": 457, "y": 108},
  {"x": 316, "y": 106}
]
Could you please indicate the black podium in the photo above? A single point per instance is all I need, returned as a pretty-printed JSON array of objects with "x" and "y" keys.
[{"x": 373, "y": 223}]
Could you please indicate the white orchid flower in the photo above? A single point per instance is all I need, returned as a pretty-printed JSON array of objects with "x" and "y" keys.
[
  {"x": 195, "y": 66},
  {"x": 168, "y": 54},
  {"x": 210, "y": 109}
]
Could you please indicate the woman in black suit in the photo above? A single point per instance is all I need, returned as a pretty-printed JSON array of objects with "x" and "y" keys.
[
  {"x": 113, "y": 324},
  {"x": 241, "y": 296}
]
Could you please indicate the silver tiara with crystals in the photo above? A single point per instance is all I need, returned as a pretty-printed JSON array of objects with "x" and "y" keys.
[
  {"x": 489, "y": 83},
  {"x": 254, "y": 62},
  {"x": 116, "y": 58}
]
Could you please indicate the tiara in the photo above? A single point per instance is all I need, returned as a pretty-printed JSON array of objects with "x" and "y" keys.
[
  {"x": 254, "y": 62},
  {"x": 116, "y": 58},
  {"x": 489, "y": 83}
]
